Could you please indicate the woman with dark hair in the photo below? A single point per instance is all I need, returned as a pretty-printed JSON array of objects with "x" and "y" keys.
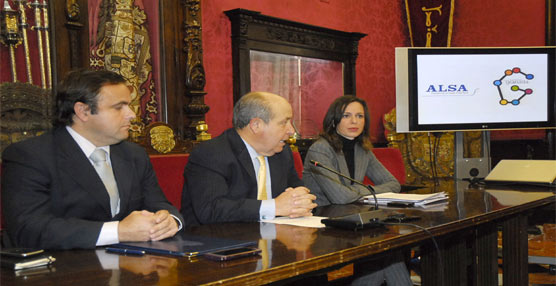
[{"x": 344, "y": 146}]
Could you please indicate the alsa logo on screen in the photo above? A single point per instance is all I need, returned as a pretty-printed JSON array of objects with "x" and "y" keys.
[
  {"x": 514, "y": 87},
  {"x": 448, "y": 89}
]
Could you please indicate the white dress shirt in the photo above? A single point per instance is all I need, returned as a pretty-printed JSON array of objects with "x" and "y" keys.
[
  {"x": 109, "y": 231},
  {"x": 268, "y": 207}
]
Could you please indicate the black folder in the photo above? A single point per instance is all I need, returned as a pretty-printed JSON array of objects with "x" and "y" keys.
[{"x": 185, "y": 245}]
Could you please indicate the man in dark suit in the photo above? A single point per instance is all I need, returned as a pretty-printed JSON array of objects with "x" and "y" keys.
[
  {"x": 222, "y": 175},
  {"x": 55, "y": 196}
]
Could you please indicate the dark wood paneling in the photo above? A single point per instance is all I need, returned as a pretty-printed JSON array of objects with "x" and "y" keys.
[
  {"x": 172, "y": 57},
  {"x": 70, "y": 34},
  {"x": 252, "y": 30},
  {"x": 183, "y": 72}
]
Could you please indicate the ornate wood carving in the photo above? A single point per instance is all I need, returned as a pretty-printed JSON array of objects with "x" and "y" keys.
[
  {"x": 69, "y": 37},
  {"x": 75, "y": 30},
  {"x": 196, "y": 108},
  {"x": 252, "y": 30},
  {"x": 182, "y": 97},
  {"x": 25, "y": 110},
  {"x": 283, "y": 34},
  {"x": 182, "y": 70},
  {"x": 160, "y": 139}
]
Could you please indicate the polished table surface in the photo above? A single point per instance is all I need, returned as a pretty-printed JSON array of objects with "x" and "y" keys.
[{"x": 294, "y": 250}]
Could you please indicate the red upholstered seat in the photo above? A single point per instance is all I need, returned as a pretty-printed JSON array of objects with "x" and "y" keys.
[
  {"x": 298, "y": 163},
  {"x": 169, "y": 171},
  {"x": 392, "y": 160}
]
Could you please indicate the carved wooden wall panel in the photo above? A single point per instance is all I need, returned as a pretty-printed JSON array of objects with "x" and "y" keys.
[
  {"x": 183, "y": 73},
  {"x": 253, "y": 30}
]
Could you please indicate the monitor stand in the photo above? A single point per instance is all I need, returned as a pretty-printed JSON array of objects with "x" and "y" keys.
[{"x": 471, "y": 168}]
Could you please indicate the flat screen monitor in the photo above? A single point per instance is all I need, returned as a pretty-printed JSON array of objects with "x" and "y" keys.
[{"x": 454, "y": 89}]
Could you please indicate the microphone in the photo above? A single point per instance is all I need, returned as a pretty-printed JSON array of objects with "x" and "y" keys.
[
  {"x": 357, "y": 221},
  {"x": 349, "y": 178}
]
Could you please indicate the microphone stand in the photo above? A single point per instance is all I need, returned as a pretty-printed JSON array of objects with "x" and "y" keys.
[
  {"x": 355, "y": 221},
  {"x": 349, "y": 178}
]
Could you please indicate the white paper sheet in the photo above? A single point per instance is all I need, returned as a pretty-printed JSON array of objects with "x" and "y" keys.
[{"x": 307, "y": 221}]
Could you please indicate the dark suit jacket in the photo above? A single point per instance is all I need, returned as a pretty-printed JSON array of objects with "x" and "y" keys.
[
  {"x": 220, "y": 183},
  {"x": 53, "y": 198}
]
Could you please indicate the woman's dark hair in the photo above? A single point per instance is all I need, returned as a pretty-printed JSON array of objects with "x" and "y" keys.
[
  {"x": 334, "y": 116},
  {"x": 81, "y": 86}
]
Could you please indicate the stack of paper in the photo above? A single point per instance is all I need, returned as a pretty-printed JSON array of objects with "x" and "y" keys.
[{"x": 418, "y": 200}]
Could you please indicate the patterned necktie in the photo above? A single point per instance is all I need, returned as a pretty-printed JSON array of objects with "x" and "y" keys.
[
  {"x": 107, "y": 176},
  {"x": 261, "y": 179}
]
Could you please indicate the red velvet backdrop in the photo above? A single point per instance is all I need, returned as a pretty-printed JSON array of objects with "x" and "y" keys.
[
  {"x": 375, "y": 64},
  {"x": 496, "y": 24},
  {"x": 476, "y": 23}
]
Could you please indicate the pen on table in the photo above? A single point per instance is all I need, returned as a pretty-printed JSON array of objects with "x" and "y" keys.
[{"x": 125, "y": 251}]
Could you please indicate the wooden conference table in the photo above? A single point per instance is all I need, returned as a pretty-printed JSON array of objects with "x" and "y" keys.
[{"x": 465, "y": 230}]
